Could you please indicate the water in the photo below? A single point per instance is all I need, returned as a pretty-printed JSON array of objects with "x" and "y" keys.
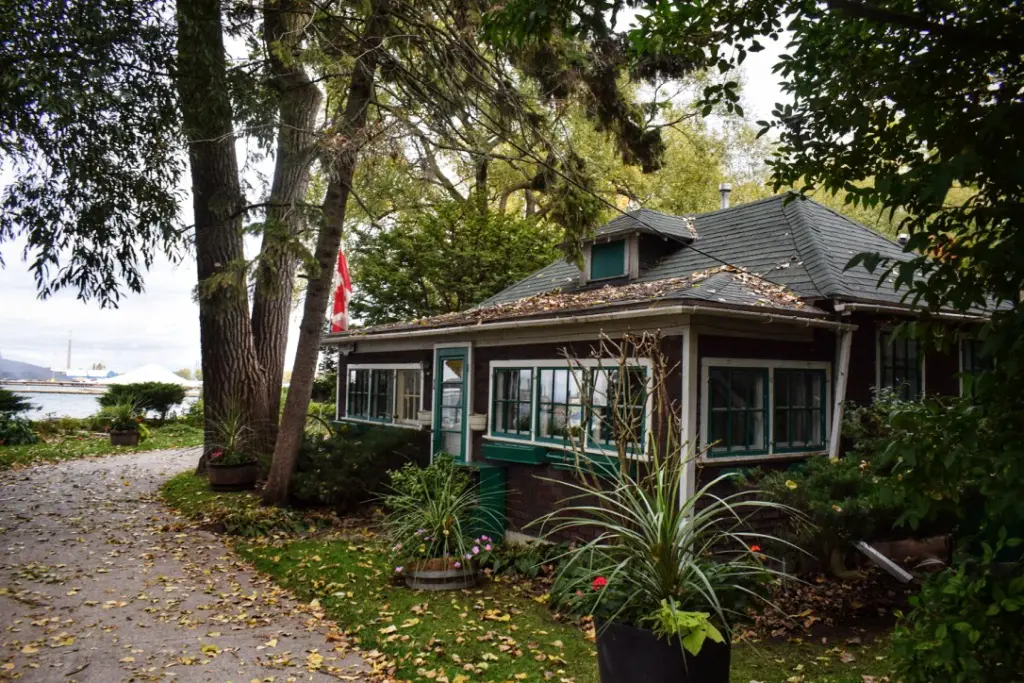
[{"x": 68, "y": 404}]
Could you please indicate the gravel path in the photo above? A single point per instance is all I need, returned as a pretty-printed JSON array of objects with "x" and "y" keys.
[{"x": 99, "y": 582}]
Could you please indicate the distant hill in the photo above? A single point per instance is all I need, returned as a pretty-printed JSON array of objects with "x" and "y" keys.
[{"x": 13, "y": 369}]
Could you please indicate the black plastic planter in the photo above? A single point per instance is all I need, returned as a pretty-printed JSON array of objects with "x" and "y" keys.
[{"x": 634, "y": 655}]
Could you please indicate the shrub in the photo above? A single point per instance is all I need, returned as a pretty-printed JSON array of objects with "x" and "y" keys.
[
  {"x": 348, "y": 468},
  {"x": 159, "y": 397},
  {"x": 194, "y": 414},
  {"x": 122, "y": 417},
  {"x": 234, "y": 441},
  {"x": 15, "y": 431},
  {"x": 528, "y": 560},
  {"x": 325, "y": 388}
]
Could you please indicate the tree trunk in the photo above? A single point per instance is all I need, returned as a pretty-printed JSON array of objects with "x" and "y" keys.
[
  {"x": 298, "y": 104},
  {"x": 350, "y": 131},
  {"x": 231, "y": 370}
]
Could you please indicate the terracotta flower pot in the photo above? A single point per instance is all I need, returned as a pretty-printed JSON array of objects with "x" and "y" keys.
[
  {"x": 122, "y": 437},
  {"x": 635, "y": 655},
  {"x": 232, "y": 477},
  {"x": 438, "y": 575}
]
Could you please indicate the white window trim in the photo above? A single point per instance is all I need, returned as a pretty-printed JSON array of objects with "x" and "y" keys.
[
  {"x": 404, "y": 424},
  {"x": 771, "y": 365},
  {"x": 628, "y": 257},
  {"x": 888, "y": 329},
  {"x": 559, "y": 363}
]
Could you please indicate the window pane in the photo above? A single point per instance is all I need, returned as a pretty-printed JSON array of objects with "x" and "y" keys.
[
  {"x": 381, "y": 395},
  {"x": 798, "y": 409},
  {"x": 737, "y": 410},
  {"x": 407, "y": 383},
  {"x": 512, "y": 402}
]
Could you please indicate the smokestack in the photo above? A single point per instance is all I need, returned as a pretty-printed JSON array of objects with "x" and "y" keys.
[{"x": 724, "y": 189}]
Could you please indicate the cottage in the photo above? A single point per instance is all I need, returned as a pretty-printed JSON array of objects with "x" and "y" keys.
[{"x": 769, "y": 334}]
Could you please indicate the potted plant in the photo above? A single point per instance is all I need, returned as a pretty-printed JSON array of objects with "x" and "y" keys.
[
  {"x": 665, "y": 575},
  {"x": 231, "y": 464},
  {"x": 123, "y": 423},
  {"x": 427, "y": 524}
]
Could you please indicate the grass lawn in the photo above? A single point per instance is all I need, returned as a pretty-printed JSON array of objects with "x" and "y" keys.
[
  {"x": 82, "y": 444},
  {"x": 498, "y": 632}
]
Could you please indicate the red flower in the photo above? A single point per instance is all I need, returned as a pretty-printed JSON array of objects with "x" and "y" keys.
[
  {"x": 599, "y": 583},
  {"x": 216, "y": 454},
  {"x": 755, "y": 548}
]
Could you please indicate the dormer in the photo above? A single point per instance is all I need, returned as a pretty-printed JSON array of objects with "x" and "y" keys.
[{"x": 632, "y": 243}]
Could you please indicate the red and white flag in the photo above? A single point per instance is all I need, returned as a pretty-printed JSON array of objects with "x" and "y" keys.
[{"x": 339, "y": 319}]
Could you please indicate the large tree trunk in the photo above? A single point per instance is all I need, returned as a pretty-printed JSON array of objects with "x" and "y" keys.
[
  {"x": 231, "y": 372},
  {"x": 298, "y": 106},
  {"x": 350, "y": 132}
]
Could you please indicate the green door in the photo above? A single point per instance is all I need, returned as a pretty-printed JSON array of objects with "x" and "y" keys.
[{"x": 451, "y": 377}]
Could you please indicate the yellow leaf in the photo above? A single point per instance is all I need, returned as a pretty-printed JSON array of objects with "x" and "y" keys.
[
  {"x": 409, "y": 623},
  {"x": 29, "y": 650},
  {"x": 459, "y": 678},
  {"x": 388, "y": 629},
  {"x": 209, "y": 649},
  {"x": 791, "y": 485},
  {"x": 315, "y": 660},
  {"x": 127, "y": 660},
  {"x": 271, "y": 643}
]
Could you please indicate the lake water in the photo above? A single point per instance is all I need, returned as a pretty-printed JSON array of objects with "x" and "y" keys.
[{"x": 67, "y": 404}]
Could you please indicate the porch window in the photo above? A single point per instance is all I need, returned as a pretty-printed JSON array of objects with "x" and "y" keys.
[
  {"x": 618, "y": 400},
  {"x": 900, "y": 366},
  {"x": 383, "y": 394},
  {"x": 799, "y": 414},
  {"x": 608, "y": 260},
  {"x": 559, "y": 404},
  {"x": 739, "y": 411},
  {"x": 512, "y": 412}
]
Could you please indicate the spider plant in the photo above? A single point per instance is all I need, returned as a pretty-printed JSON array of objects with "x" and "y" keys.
[
  {"x": 233, "y": 437},
  {"x": 657, "y": 557}
]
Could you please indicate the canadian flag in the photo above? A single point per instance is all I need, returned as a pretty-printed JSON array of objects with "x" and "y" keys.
[{"x": 339, "y": 319}]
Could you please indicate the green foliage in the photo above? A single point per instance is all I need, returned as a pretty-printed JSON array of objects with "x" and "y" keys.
[
  {"x": 839, "y": 502},
  {"x": 80, "y": 443},
  {"x": 194, "y": 413},
  {"x": 11, "y": 403},
  {"x": 444, "y": 260},
  {"x": 232, "y": 437},
  {"x": 964, "y": 626},
  {"x": 348, "y": 469},
  {"x": 15, "y": 430},
  {"x": 325, "y": 386},
  {"x": 429, "y": 511},
  {"x": 692, "y": 628},
  {"x": 123, "y": 416},
  {"x": 158, "y": 397},
  {"x": 237, "y": 514},
  {"x": 529, "y": 560},
  {"x": 90, "y": 130}
]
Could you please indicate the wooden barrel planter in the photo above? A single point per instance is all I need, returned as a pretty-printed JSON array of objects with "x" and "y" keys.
[
  {"x": 233, "y": 477},
  {"x": 434, "y": 576},
  {"x": 124, "y": 438}
]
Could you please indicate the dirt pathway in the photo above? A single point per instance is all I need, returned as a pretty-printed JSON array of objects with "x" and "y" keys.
[{"x": 98, "y": 582}]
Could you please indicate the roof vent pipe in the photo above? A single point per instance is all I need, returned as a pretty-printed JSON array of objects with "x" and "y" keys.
[{"x": 724, "y": 189}]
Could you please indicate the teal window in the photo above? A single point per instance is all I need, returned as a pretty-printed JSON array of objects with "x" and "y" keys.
[
  {"x": 799, "y": 410},
  {"x": 617, "y": 407},
  {"x": 450, "y": 402},
  {"x": 738, "y": 410},
  {"x": 559, "y": 404},
  {"x": 512, "y": 412},
  {"x": 900, "y": 367},
  {"x": 608, "y": 260}
]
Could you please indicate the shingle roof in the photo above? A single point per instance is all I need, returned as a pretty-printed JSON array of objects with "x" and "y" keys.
[
  {"x": 721, "y": 286},
  {"x": 679, "y": 228},
  {"x": 798, "y": 244}
]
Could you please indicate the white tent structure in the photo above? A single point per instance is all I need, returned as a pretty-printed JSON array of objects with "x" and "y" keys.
[{"x": 153, "y": 373}]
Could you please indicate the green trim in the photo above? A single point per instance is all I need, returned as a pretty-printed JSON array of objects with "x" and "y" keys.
[
  {"x": 608, "y": 260},
  {"x": 610, "y": 444},
  {"x": 371, "y": 394},
  {"x": 561, "y": 440},
  {"x": 495, "y": 400},
  {"x": 727, "y": 451},
  {"x": 459, "y": 353},
  {"x": 513, "y": 452},
  {"x": 603, "y": 465}
]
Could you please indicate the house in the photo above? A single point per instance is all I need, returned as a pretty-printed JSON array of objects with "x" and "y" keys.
[{"x": 768, "y": 332}]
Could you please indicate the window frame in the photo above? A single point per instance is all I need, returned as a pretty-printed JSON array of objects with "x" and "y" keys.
[
  {"x": 770, "y": 366},
  {"x": 767, "y": 409},
  {"x": 393, "y": 368},
  {"x": 963, "y": 341},
  {"x": 494, "y": 402},
  {"x": 790, "y": 410},
  {"x": 588, "y": 364},
  {"x": 880, "y": 335}
]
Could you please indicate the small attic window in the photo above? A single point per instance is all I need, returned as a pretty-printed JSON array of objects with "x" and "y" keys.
[{"x": 608, "y": 260}]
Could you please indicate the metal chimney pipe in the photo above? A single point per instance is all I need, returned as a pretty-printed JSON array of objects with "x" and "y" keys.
[{"x": 724, "y": 189}]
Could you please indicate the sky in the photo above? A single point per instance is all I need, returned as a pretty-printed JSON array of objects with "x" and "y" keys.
[{"x": 161, "y": 325}]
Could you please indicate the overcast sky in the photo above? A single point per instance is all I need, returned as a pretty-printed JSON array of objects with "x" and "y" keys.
[{"x": 161, "y": 325}]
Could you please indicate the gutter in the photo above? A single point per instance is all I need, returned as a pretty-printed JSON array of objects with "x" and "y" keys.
[
  {"x": 595, "y": 317},
  {"x": 905, "y": 310}
]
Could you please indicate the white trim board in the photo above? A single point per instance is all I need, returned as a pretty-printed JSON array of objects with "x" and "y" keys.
[
  {"x": 771, "y": 365},
  {"x": 418, "y": 367}
]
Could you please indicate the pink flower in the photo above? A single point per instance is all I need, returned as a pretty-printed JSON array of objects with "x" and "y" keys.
[
  {"x": 487, "y": 547},
  {"x": 457, "y": 565},
  {"x": 216, "y": 454},
  {"x": 476, "y": 550},
  {"x": 468, "y": 556},
  {"x": 399, "y": 570},
  {"x": 485, "y": 538},
  {"x": 599, "y": 583}
]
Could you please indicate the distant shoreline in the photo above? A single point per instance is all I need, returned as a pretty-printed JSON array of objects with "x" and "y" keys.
[{"x": 44, "y": 387}]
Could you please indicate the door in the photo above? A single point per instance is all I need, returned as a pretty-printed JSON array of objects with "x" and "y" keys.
[{"x": 451, "y": 377}]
